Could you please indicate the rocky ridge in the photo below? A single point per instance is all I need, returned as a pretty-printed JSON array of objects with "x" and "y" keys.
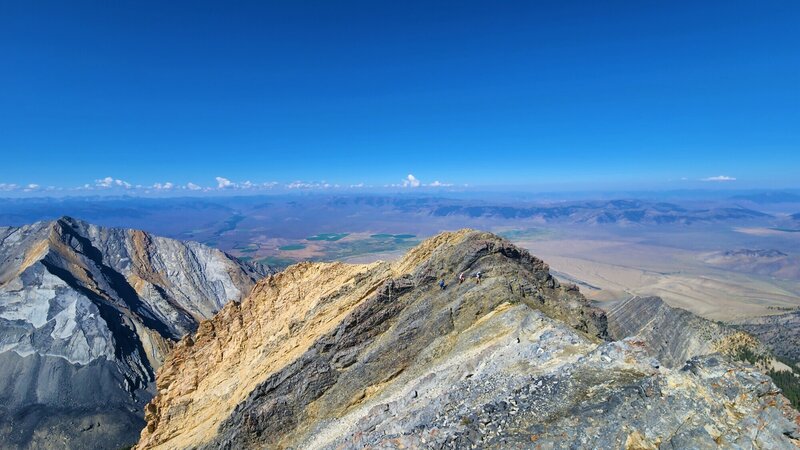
[
  {"x": 378, "y": 356},
  {"x": 87, "y": 315},
  {"x": 780, "y": 332},
  {"x": 674, "y": 335}
]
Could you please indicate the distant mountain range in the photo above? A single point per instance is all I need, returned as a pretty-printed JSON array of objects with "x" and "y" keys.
[
  {"x": 163, "y": 214},
  {"x": 756, "y": 261},
  {"x": 589, "y": 212},
  {"x": 607, "y": 212},
  {"x": 87, "y": 315},
  {"x": 769, "y": 197}
]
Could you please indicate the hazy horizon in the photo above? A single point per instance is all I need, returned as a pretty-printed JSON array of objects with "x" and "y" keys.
[{"x": 115, "y": 188}]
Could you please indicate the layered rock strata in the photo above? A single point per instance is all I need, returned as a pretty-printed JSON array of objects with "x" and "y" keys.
[
  {"x": 379, "y": 356},
  {"x": 87, "y": 315}
]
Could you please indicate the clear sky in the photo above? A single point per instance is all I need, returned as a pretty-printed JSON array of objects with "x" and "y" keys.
[{"x": 538, "y": 93}]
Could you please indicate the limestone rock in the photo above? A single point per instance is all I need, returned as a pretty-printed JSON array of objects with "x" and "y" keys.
[
  {"x": 87, "y": 315},
  {"x": 379, "y": 356},
  {"x": 675, "y": 335},
  {"x": 780, "y": 332}
]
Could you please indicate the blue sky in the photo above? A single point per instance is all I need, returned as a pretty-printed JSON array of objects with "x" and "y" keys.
[{"x": 541, "y": 94}]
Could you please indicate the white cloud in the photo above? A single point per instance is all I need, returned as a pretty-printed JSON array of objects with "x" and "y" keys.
[
  {"x": 439, "y": 184},
  {"x": 8, "y": 186},
  {"x": 299, "y": 185},
  {"x": 109, "y": 182},
  {"x": 310, "y": 185},
  {"x": 251, "y": 185},
  {"x": 359, "y": 185},
  {"x": 411, "y": 181},
  {"x": 224, "y": 183},
  {"x": 31, "y": 187},
  {"x": 163, "y": 186},
  {"x": 719, "y": 178}
]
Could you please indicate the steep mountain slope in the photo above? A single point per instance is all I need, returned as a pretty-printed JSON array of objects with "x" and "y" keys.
[
  {"x": 674, "y": 335},
  {"x": 378, "y": 356},
  {"x": 781, "y": 333},
  {"x": 87, "y": 314}
]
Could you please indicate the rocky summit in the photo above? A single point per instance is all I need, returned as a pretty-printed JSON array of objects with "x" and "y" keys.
[
  {"x": 87, "y": 315},
  {"x": 340, "y": 356}
]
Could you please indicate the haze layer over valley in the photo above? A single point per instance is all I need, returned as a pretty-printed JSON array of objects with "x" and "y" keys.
[{"x": 725, "y": 256}]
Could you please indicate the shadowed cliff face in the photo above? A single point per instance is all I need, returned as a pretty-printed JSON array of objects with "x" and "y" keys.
[
  {"x": 87, "y": 315},
  {"x": 379, "y": 356},
  {"x": 781, "y": 333}
]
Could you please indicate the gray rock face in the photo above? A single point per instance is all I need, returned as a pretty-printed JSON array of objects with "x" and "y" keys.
[
  {"x": 517, "y": 361},
  {"x": 781, "y": 333},
  {"x": 87, "y": 315},
  {"x": 672, "y": 335},
  {"x": 599, "y": 400}
]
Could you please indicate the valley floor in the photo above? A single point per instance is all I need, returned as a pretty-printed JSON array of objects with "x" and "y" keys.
[{"x": 612, "y": 270}]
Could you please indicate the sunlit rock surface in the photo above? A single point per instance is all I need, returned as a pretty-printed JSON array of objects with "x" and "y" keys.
[
  {"x": 339, "y": 356},
  {"x": 87, "y": 315}
]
